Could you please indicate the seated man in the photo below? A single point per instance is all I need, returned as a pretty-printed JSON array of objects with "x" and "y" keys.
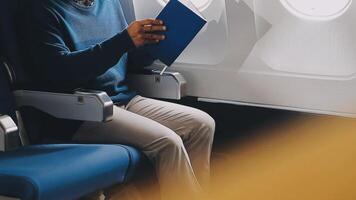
[{"x": 88, "y": 44}]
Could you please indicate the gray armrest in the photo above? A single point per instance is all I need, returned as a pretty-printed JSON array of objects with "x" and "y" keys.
[
  {"x": 9, "y": 137},
  {"x": 169, "y": 85},
  {"x": 93, "y": 106}
]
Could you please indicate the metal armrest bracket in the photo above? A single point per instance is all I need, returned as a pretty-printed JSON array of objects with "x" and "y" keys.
[{"x": 167, "y": 85}]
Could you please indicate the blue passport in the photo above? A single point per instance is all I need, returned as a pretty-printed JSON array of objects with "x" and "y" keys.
[{"x": 183, "y": 24}]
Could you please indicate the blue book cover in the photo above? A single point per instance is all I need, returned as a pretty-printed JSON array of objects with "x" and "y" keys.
[{"x": 183, "y": 24}]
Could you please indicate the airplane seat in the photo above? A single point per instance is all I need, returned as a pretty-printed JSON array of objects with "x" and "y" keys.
[
  {"x": 56, "y": 171},
  {"x": 53, "y": 171}
]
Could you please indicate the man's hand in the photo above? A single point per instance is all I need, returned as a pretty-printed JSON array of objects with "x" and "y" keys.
[{"x": 143, "y": 31}]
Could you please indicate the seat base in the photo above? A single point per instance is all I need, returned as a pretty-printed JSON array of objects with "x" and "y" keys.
[{"x": 64, "y": 171}]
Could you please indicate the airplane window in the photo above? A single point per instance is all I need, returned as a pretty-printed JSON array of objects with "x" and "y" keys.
[
  {"x": 305, "y": 37},
  {"x": 317, "y": 9},
  {"x": 200, "y": 4}
]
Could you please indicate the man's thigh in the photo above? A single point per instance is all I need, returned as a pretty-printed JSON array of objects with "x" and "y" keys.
[
  {"x": 180, "y": 119},
  {"x": 126, "y": 128}
]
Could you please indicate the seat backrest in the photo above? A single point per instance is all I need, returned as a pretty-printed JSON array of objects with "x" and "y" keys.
[
  {"x": 6, "y": 101},
  {"x": 11, "y": 39},
  {"x": 13, "y": 53}
]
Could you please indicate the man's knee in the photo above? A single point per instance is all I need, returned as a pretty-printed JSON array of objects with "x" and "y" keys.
[
  {"x": 168, "y": 141},
  {"x": 173, "y": 142},
  {"x": 167, "y": 149},
  {"x": 205, "y": 124}
]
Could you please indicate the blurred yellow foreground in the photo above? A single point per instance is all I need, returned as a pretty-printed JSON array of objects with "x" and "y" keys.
[
  {"x": 310, "y": 158},
  {"x": 313, "y": 158}
]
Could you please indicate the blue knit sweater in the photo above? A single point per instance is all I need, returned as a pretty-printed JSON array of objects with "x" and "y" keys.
[{"x": 79, "y": 47}]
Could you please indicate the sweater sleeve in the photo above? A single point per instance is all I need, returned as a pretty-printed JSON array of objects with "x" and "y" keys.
[
  {"x": 59, "y": 65},
  {"x": 138, "y": 59}
]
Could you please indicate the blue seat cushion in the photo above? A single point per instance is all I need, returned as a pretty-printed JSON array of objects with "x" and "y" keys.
[{"x": 47, "y": 172}]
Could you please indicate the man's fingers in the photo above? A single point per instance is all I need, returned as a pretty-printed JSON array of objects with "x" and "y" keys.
[
  {"x": 153, "y": 37},
  {"x": 151, "y": 22},
  {"x": 152, "y": 28}
]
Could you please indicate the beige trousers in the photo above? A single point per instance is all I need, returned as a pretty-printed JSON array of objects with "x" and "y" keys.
[{"x": 177, "y": 139}]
